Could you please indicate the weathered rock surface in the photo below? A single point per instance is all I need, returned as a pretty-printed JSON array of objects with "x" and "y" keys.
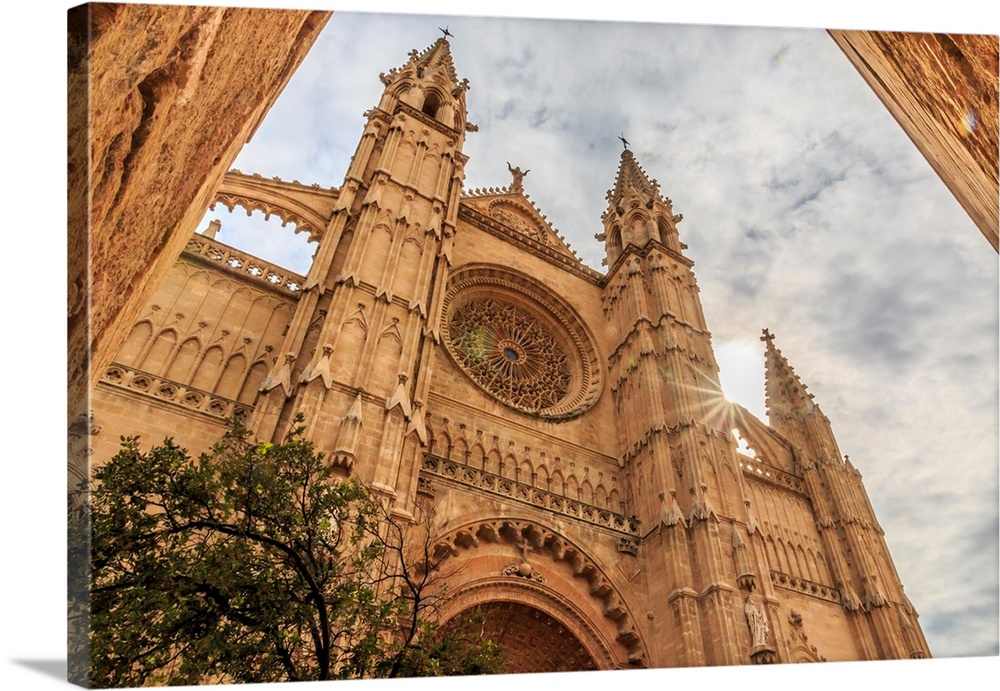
[
  {"x": 160, "y": 100},
  {"x": 942, "y": 89}
]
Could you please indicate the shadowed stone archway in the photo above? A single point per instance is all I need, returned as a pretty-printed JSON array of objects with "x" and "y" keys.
[{"x": 533, "y": 640}]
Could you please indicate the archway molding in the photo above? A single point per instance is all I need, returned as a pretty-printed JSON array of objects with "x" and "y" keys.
[
  {"x": 493, "y": 590},
  {"x": 543, "y": 542}
]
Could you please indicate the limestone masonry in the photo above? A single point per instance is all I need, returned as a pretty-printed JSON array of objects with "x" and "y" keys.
[{"x": 447, "y": 346}]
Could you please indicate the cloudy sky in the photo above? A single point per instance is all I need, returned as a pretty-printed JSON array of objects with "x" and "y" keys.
[{"x": 806, "y": 209}]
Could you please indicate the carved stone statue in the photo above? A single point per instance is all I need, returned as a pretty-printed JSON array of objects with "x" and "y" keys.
[
  {"x": 757, "y": 621},
  {"x": 518, "y": 177}
]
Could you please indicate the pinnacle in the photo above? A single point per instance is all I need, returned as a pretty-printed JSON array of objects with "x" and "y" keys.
[
  {"x": 437, "y": 54},
  {"x": 785, "y": 395},
  {"x": 631, "y": 175}
]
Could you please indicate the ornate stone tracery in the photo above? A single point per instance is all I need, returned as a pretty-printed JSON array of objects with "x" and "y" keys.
[
  {"x": 519, "y": 343},
  {"x": 510, "y": 353}
]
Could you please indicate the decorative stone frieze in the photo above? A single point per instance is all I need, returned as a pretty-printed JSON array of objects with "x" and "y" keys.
[
  {"x": 170, "y": 392},
  {"x": 519, "y": 491},
  {"x": 802, "y": 585},
  {"x": 245, "y": 265}
]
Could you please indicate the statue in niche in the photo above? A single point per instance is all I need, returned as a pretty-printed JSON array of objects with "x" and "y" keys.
[{"x": 757, "y": 621}]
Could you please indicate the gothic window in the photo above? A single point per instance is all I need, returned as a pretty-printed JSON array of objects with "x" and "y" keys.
[
  {"x": 614, "y": 246},
  {"x": 431, "y": 104}
]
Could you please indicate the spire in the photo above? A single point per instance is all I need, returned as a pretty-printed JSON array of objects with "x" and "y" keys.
[
  {"x": 428, "y": 83},
  {"x": 631, "y": 178},
  {"x": 637, "y": 213},
  {"x": 786, "y": 396},
  {"x": 436, "y": 58}
]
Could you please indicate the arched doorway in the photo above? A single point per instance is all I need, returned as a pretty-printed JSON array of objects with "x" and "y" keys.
[{"x": 533, "y": 640}]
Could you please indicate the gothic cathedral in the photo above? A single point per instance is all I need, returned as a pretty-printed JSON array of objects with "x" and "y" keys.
[{"x": 448, "y": 348}]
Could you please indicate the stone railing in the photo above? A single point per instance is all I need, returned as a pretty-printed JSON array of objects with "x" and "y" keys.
[
  {"x": 519, "y": 491},
  {"x": 771, "y": 474},
  {"x": 171, "y": 392},
  {"x": 245, "y": 264},
  {"x": 802, "y": 585}
]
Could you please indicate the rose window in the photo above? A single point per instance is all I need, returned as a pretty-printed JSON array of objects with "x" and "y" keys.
[
  {"x": 520, "y": 343},
  {"x": 510, "y": 353}
]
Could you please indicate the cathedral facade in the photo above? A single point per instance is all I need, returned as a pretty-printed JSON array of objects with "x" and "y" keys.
[{"x": 448, "y": 348}]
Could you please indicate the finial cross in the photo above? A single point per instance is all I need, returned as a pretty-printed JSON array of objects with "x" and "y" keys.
[
  {"x": 445, "y": 32},
  {"x": 767, "y": 336},
  {"x": 624, "y": 141}
]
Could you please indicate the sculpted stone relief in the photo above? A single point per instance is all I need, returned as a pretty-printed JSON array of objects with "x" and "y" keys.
[
  {"x": 519, "y": 224},
  {"x": 525, "y": 535},
  {"x": 757, "y": 621}
]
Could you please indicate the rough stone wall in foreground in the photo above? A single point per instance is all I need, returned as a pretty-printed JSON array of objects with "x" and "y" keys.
[
  {"x": 942, "y": 89},
  {"x": 160, "y": 100}
]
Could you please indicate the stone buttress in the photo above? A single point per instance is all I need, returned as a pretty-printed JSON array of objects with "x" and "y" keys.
[
  {"x": 673, "y": 436},
  {"x": 356, "y": 357},
  {"x": 881, "y": 616}
]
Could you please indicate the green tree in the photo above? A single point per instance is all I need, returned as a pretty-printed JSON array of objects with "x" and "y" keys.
[{"x": 252, "y": 563}]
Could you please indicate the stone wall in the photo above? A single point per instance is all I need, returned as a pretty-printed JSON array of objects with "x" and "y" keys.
[
  {"x": 942, "y": 89},
  {"x": 160, "y": 101}
]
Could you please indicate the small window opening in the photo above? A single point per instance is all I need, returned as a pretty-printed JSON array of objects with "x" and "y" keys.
[{"x": 431, "y": 104}]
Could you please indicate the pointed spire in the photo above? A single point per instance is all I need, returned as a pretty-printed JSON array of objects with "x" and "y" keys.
[
  {"x": 786, "y": 396},
  {"x": 637, "y": 213},
  {"x": 631, "y": 176},
  {"x": 435, "y": 56},
  {"x": 428, "y": 83}
]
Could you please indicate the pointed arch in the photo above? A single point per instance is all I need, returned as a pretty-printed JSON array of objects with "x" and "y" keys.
[
  {"x": 408, "y": 265},
  {"x": 509, "y": 467},
  {"x": 432, "y": 103},
  {"x": 542, "y": 478},
  {"x": 782, "y": 561},
  {"x": 572, "y": 487},
  {"x": 601, "y": 496},
  {"x": 448, "y": 441},
  {"x": 251, "y": 385},
  {"x": 558, "y": 482},
  {"x": 232, "y": 376},
  {"x": 461, "y": 448},
  {"x": 546, "y": 543},
  {"x": 791, "y": 567},
  {"x": 821, "y": 567},
  {"x": 805, "y": 565},
  {"x": 184, "y": 360},
  {"x": 208, "y": 369},
  {"x": 477, "y": 452},
  {"x": 615, "y": 502},
  {"x": 157, "y": 356},
  {"x": 614, "y": 246},
  {"x": 492, "y": 462},
  {"x": 524, "y": 470},
  {"x": 407, "y": 141},
  {"x": 772, "y": 554},
  {"x": 138, "y": 339}
]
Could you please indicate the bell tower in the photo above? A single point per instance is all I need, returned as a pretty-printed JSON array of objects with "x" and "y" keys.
[
  {"x": 356, "y": 356},
  {"x": 674, "y": 439}
]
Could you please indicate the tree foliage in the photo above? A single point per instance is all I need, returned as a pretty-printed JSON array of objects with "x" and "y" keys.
[{"x": 253, "y": 563}]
